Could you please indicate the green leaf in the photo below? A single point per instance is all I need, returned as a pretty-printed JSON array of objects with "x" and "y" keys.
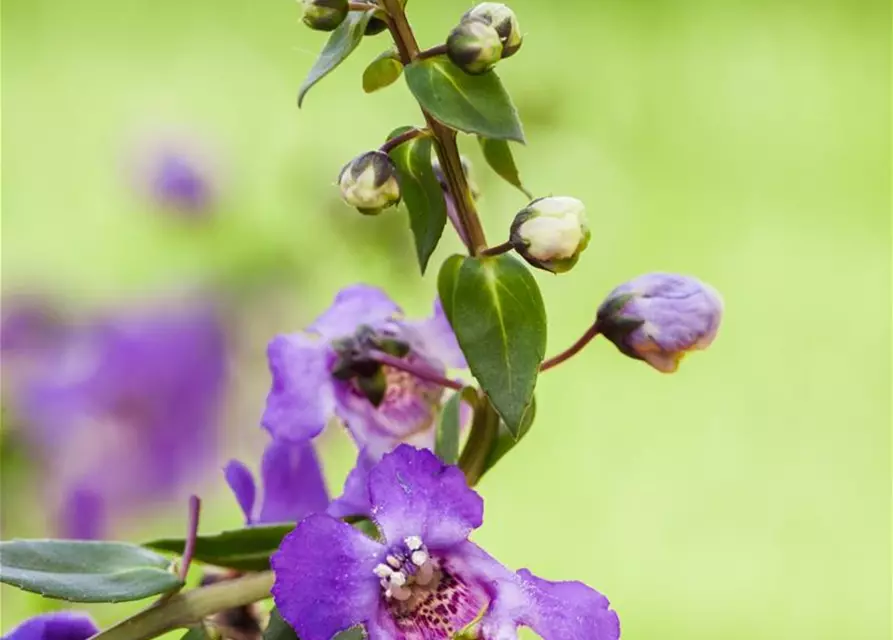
[
  {"x": 341, "y": 44},
  {"x": 85, "y": 570},
  {"x": 499, "y": 156},
  {"x": 505, "y": 441},
  {"x": 497, "y": 313},
  {"x": 422, "y": 194},
  {"x": 473, "y": 104},
  {"x": 383, "y": 71},
  {"x": 198, "y": 632},
  {"x": 279, "y": 629},
  {"x": 446, "y": 444},
  {"x": 246, "y": 549}
]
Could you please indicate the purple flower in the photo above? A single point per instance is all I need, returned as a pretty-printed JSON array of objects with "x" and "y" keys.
[
  {"x": 59, "y": 625},
  {"x": 293, "y": 486},
  {"x": 323, "y": 373},
  {"x": 124, "y": 411},
  {"x": 659, "y": 317},
  {"x": 425, "y": 580}
]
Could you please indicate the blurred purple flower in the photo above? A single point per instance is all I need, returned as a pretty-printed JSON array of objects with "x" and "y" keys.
[
  {"x": 125, "y": 409},
  {"x": 59, "y": 625},
  {"x": 425, "y": 580},
  {"x": 659, "y": 317},
  {"x": 293, "y": 486},
  {"x": 305, "y": 394}
]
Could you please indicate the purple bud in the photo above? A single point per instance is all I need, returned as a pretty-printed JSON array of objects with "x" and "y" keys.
[{"x": 659, "y": 317}]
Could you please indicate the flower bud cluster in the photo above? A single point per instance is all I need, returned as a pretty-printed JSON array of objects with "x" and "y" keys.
[{"x": 486, "y": 34}]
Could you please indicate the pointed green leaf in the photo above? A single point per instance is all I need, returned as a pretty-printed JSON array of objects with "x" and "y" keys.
[
  {"x": 505, "y": 441},
  {"x": 497, "y": 313},
  {"x": 473, "y": 104},
  {"x": 383, "y": 71},
  {"x": 446, "y": 444},
  {"x": 246, "y": 549},
  {"x": 499, "y": 156},
  {"x": 422, "y": 194},
  {"x": 85, "y": 570},
  {"x": 341, "y": 44}
]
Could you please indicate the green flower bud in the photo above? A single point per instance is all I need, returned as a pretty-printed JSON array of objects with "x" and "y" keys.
[
  {"x": 369, "y": 183},
  {"x": 466, "y": 169},
  {"x": 501, "y": 18},
  {"x": 324, "y": 15},
  {"x": 474, "y": 47},
  {"x": 551, "y": 233}
]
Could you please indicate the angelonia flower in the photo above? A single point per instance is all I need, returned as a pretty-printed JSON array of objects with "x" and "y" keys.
[
  {"x": 124, "y": 410},
  {"x": 369, "y": 183},
  {"x": 324, "y": 372},
  {"x": 324, "y": 15},
  {"x": 659, "y": 317},
  {"x": 551, "y": 233},
  {"x": 424, "y": 579},
  {"x": 474, "y": 46},
  {"x": 58, "y": 625},
  {"x": 291, "y": 480},
  {"x": 501, "y": 18}
]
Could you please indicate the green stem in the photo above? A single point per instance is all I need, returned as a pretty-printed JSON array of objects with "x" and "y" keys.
[
  {"x": 191, "y": 607},
  {"x": 447, "y": 150},
  {"x": 484, "y": 429}
]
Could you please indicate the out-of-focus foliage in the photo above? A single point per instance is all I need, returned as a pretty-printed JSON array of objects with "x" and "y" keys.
[{"x": 746, "y": 142}]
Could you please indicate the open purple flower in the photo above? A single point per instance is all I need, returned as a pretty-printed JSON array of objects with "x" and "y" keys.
[
  {"x": 660, "y": 317},
  {"x": 425, "y": 580},
  {"x": 293, "y": 486},
  {"x": 59, "y": 625},
  {"x": 326, "y": 371},
  {"x": 124, "y": 411}
]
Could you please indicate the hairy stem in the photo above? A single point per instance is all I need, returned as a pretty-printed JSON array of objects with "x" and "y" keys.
[
  {"x": 191, "y": 607},
  {"x": 573, "y": 350},
  {"x": 447, "y": 150},
  {"x": 420, "y": 371},
  {"x": 484, "y": 429}
]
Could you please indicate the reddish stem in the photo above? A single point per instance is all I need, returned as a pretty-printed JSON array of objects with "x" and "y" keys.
[
  {"x": 571, "y": 351},
  {"x": 195, "y": 505},
  {"x": 420, "y": 371}
]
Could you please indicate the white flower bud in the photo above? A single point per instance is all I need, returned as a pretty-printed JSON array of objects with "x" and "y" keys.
[
  {"x": 325, "y": 15},
  {"x": 501, "y": 18},
  {"x": 369, "y": 183},
  {"x": 551, "y": 233},
  {"x": 474, "y": 47}
]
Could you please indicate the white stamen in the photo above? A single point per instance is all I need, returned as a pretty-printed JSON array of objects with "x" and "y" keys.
[
  {"x": 394, "y": 562},
  {"x": 425, "y": 574},
  {"x": 419, "y": 558},
  {"x": 398, "y": 579},
  {"x": 413, "y": 543},
  {"x": 382, "y": 571},
  {"x": 399, "y": 593}
]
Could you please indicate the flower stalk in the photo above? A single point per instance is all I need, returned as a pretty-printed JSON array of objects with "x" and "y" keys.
[
  {"x": 419, "y": 371},
  {"x": 573, "y": 350},
  {"x": 447, "y": 149},
  {"x": 484, "y": 429}
]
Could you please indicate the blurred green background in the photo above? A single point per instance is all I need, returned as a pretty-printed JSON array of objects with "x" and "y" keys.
[{"x": 745, "y": 142}]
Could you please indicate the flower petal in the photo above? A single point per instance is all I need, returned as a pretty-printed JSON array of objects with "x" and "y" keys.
[
  {"x": 300, "y": 400},
  {"x": 84, "y": 515},
  {"x": 324, "y": 577},
  {"x": 414, "y": 494},
  {"x": 433, "y": 338},
  {"x": 354, "y": 499},
  {"x": 292, "y": 481},
  {"x": 567, "y": 610},
  {"x": 59, "y": 625},
  {"x": 241, "y": 482},
  {"x": 353, "y": 306}
]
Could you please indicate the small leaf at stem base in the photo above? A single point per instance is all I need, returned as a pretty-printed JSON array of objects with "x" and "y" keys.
[
  {"x": 86, "y": 570},
  {"x": 341, "y": 44},
  {"x": 498, "y": 155},
  {"x": 385, "y": 70}
]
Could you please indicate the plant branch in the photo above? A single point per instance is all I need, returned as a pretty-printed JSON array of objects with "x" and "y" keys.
[
  {"x": 195, "y": 505},
  {"x": 191, "y": 607},
  {"x": 419, "y": 371},
  {"x": 573, "y": 350},
  {"x": 505, "y": 247},
  {"x": 447, "y": 150},
  {"x": 406, "y": 136},
  {"x": 433, "y": 52}
]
